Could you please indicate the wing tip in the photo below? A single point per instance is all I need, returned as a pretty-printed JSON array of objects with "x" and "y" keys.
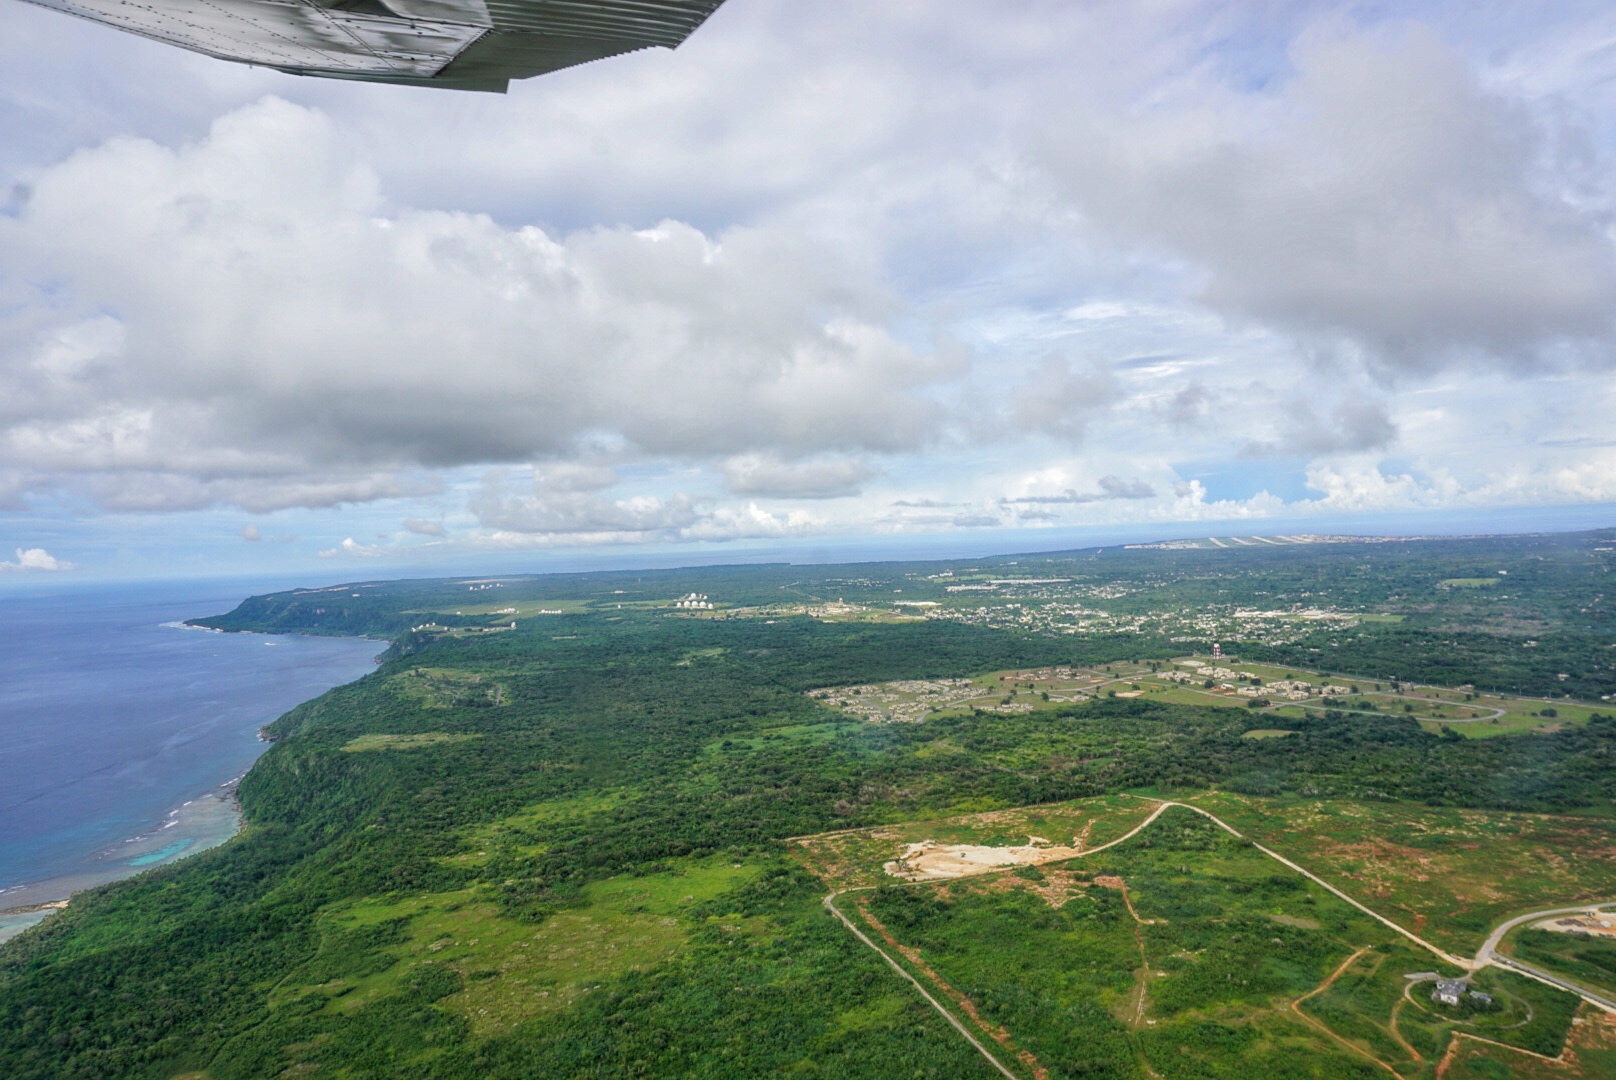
[{"x": 477, "y": 84}]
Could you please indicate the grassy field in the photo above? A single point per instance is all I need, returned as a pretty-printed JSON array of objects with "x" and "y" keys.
[
  {"x": 447, "y": 688},
  {"x": 1449, "y": 875},
  {"x": 1590, "y": 1052},
  {"x": 1467, "y": 712},
  {"x": 517, "y": 609},
  {"x": 1181, "y": 952},
  {"x": 403, "y": 742},
  {"x": 511, "y": 971},
  {"x": 854, "y": 859},
  {"x": 1590, "y": 962},
  {"x": 1372, "y": 1004}
]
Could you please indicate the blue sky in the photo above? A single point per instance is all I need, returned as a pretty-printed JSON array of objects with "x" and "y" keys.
[{"x": 830, "y": 280}]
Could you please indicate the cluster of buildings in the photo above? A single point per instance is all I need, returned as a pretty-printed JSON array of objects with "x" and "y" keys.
[
  {"x": 906, "y": 701},
  {"x": 1291, "y": 690},
  {"x": 1593, "y": 924},
  {"x": 697, "y": 601},
  {"x": 1225, "y": 679},
  {"x": 1056, "y": 606}
]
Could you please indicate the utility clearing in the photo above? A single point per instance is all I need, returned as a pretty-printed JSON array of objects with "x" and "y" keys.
[
  {"x": 930, "y": 861},
  {"x": 1164, "y": 915}
]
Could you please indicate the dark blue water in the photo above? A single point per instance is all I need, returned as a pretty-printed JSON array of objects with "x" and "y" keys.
[{"x": 110, "y": 720}]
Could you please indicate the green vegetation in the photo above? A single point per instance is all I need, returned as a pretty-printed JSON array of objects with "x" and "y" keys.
[
  {"x": 403, "y": 742},
  {"x": 1186, "y": 952},
  {"x": 1449, "y": 874},
  {"x": 856, "y": 858},
  {"x": 565, "y": 849},
  {"x": 1588, "y": 961}
]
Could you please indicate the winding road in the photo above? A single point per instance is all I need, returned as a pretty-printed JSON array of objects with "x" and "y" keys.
[{"x": 1487, "y": 954}]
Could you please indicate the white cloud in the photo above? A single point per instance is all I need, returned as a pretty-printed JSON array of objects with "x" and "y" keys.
[
  {"x": 558, "y": 509},
  {"x": 35, "y": 559},
  {"x": 1379, "y": 201},
  {"x": 250, "y": 533},
  {"x": 1061, "y": 398},
  {"x": 769, "y": 476},
  {"x": 1350, "y": 425},
  {"x": 556, "y": 504},
  {"x": 352, "y": 547},
  {"x": 302, "y": 328},
  {"x": 1110, "y": 487},
  {"x": 421, "y": 527},
  {"x": 929, "y": 259}
]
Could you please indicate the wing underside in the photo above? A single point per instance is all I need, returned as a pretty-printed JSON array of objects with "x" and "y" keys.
[{"x": 459, "y": 44}]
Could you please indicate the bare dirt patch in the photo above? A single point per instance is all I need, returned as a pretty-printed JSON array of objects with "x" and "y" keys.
[
  {"x": 1054, "y": 886},
  {"x": 931, "y": 861},
  {"x": 992, "y": 841}
]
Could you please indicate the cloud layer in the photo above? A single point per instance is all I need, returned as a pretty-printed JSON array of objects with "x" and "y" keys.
[
  {"x": 1380, "y": 199},
  {"x": 828, "y": 267},
  {"x": 34, "y": 560},
  {"x": 283, "y": 337}
]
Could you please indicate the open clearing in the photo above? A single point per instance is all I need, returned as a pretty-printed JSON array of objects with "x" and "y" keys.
[
  {"x": 404, "y": 742},
  {"x": 1280, "y": 692},
  {"x": 1179, "y": 951},
  {"x": 510, "y": 971},
  {"x": 1449, "y": 875},
  {"x": 859, "y": 858}
]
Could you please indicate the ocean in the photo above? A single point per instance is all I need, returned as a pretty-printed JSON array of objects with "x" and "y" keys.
[{"x": 122, "y": 733}]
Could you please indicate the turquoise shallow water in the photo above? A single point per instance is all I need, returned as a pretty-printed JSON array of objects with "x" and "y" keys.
[
  {"x": 121, "y": 733},
  {"x": 164, "y": 853}
]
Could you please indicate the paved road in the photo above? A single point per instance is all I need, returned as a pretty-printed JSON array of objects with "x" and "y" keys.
[
  {"x": 1415, "y": 938},
  {"x": 1554, "y": 980},
  {"x": 1492, "y": 713},
  {"x": 1488, "y": 954},
  {"x": 830, "y": 904}
]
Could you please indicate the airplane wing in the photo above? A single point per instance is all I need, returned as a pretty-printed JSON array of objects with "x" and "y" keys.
[{"x": 456, "y": 44}]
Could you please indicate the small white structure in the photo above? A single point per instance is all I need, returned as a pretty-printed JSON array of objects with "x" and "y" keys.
[{"x": 1448, "y": 991}]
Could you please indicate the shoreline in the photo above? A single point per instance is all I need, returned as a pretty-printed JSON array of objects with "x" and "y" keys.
[
  {"x": 198, "y": 824},
  {"x": 201, "y": 822}
]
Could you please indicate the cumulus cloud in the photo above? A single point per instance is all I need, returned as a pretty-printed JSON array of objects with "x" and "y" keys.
[
  {"x": 1060, "y": 397},
  {"x": 1349, "y": 426},
  {"x": 942, "y": 249},
  {"x": 571, "y": 506},
  {"x": 1111, "y": 487},
  {"x": 301, "y": 326},
  {"x": 352, "y": 547},
  {"x": 35, "y": 560},
  {"x": 421, "y": 527},
  {"x": 569, "y": 500},
  {"x": 1380, "y": 200},
  {"x": 827, "y": 478}
]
